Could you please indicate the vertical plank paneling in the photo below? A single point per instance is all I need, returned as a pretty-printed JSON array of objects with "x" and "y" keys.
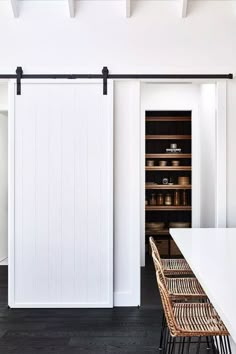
[
  {"x": 18, "y": 207},
  {"x": 94, "y": 197},
  {"x": 55, "y": 196},
  {"x": 106, "y": 126},
  {"x": 63, "y": 190},
  {"x": 27, "y": 205},
  {"x": 81, "y": 195},
  {"x": 68, "y": 198},
  {"x": 42, "y": 213}
]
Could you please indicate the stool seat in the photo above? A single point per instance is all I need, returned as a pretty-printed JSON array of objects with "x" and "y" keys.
[
  {"x": 185, "y": 288},
  {"x": 171, "y": 266},
  {"x": 197, "y": 319},
  {"x": 175, "y": 267}
]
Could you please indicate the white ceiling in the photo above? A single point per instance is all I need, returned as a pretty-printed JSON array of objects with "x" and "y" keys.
[{"x": 127, "y": 4}]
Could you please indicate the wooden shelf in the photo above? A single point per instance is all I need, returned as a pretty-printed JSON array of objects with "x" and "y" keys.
[
  {"x": 167, "y": 186},
  {"x": 168, "y": 168},
  {"x": 169, "y": 156},
  {"x": 168, "y": 119},
  {"x": 168, "y": 208},
  {"x": 156, "y": 233},
  {"x": 168, "y": 137}
]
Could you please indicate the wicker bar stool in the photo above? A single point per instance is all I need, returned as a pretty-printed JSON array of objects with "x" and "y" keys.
[
  {"x": 188, "y": 321},
  {"x": 180, "y": 288},
  {"x": 171, "y": 266}
]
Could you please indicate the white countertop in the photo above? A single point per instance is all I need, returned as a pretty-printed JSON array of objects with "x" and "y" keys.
[{"x": 211, "y": 253}]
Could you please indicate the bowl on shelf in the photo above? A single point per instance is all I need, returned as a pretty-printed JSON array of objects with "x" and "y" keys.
[
  {"x": 179, "y": 224},
  {"x": 183, "y": 180},
  {"x": 162, "y": 163},
  {"x": 175, "y": 162},
  {"x": 154, "y": 226},
  {"x": 150, "y": 163}
]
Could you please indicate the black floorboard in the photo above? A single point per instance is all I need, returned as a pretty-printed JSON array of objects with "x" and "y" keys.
[
  {"x": 149, "y": 291},
  {"x": 73, "y": 331}
]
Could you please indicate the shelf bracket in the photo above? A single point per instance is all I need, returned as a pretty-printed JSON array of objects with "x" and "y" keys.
[
  {"x": 19, "y": 73},
  {"x": 105, "y": 73}
]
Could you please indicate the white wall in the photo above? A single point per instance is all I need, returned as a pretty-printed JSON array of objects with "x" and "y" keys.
[
  {"x": 3, "y": 185},
  {"x": 3, "y": 97},
  {"x": 127, "y": 194},
  {"x": 154, "y": 39},
  {"x": 208, "y": 160},
  {"x": 44, "y": 38}
]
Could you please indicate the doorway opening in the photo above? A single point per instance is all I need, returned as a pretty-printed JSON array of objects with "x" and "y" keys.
[
  {"x": 168, "y": 187},
  {"x": 183, "y": 129}
]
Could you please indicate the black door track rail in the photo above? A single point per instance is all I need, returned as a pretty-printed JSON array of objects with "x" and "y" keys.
[{"x": 105, "y": 76}]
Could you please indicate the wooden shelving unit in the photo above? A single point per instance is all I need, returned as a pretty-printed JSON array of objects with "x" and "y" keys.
[
  {"x": 163, "y": 232},
  {"x": 168, "y": 137},
  {"x": 168, "y": 156},
  {"x": 168, "y": 168},
  {"x": 167, "y": 187},
  {"x": 163, "y": 129},
  {"x": 168, "y": 208},
  {"x": 168, "y": 119}
]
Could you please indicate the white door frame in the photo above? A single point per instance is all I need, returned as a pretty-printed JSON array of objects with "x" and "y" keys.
[
  {"x": 11, "y": 190},
  {"x": 221, "y": 89}
]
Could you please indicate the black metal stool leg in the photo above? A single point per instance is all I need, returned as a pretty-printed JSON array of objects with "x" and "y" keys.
[
  {"x": 183, "y": 344},
  {"x": 180, "y": 345},
  {"x": 165, "y": 340},
  {"x": 170, "y": 343},
  {"x": 188, "y": 346},
  {"x": 208, "y": 343},
  {"x": 217, "y": 344},
  {"x": 173, "y": 346},
  {"x": 227, "y": 349},
  {"x": 221, "y": 344},
  {"x": 198, "y": 345},
  {"x": 228, "y": 344},
  {"x": 162, "y": 331},
  {"x": 215, "y": 348}
]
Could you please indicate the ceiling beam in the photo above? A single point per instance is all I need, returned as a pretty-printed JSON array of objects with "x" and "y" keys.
[
  {"x": 127, "y": 8},
  {"x": 15, "y": 7},
  {"x": 71, "y": 4},
  {"x": 183, "y": 8}
]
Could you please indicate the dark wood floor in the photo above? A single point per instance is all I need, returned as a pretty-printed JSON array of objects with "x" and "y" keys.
[
  {"x": 73, "y": 331},
  {"x": 70, "y": 331},
  {"x": 149, "y": 291}
]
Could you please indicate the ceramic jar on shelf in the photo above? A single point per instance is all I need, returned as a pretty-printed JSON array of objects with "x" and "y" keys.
[
  {"x": 160, "y": 199},
  {"x": 168, "y": 199},
  {"x": 150, "y": 163},
  {"x": 162, "y": 163},
  {"x": 153, "y": 200},
  {"x": 176, "y": 198},
  {"x": 183, "y": 180}
]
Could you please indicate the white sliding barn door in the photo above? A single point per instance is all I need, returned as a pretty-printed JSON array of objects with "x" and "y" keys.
[{"x": 61, "y": 191}]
